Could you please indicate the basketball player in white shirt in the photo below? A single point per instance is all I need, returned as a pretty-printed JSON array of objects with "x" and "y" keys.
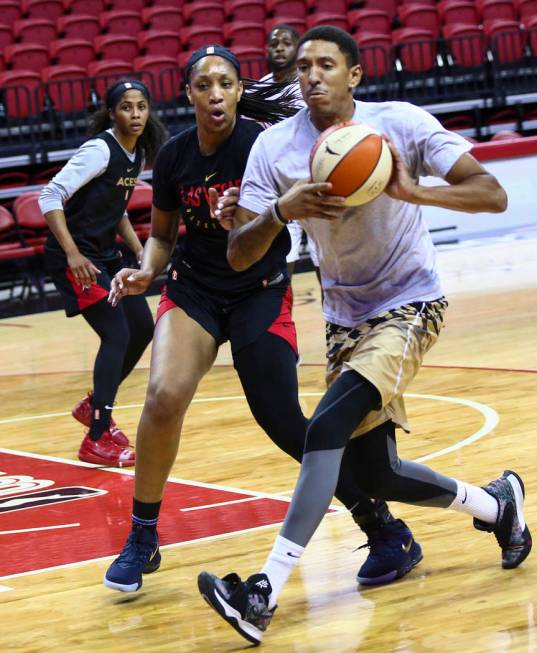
[{"x": 383, "y": 306}]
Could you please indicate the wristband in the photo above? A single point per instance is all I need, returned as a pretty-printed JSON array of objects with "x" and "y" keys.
[{"x": 274, "y": 209}]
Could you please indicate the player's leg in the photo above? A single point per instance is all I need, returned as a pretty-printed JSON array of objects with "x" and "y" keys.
[
  {"x": 496, "y": 508},
  {"x": 248, "y": 606},
  {"x": 268, "y": 373},
  {"x": 182, "y": 353},
  {"x": 125, "y": 332}
]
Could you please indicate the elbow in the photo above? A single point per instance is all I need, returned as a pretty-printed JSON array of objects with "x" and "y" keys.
[
  {"x": 501, "y": 201},
  {"x": 236, "y": 263}
]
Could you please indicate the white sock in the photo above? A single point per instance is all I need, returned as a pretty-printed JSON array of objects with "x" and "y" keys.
[
  {"x": 283, "y": 558},
  {"x": 476, "y": 502}
]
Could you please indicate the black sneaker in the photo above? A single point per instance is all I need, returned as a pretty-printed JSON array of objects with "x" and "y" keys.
[
  {"x": 243, "y": 604},
  {"x": 140, "y": 555},
  {"x": 510, "y": 528},
  {"x": 393, "y": 552}
]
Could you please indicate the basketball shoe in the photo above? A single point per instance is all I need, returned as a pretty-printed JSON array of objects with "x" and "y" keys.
[
  {"x": 140, "y": 555},
  {"x": 83, "y": 413},
  {"x": 393, "y": 552},
  {"x": 510, "y": 528},
  {"x": 105, "y": 451},
  {"x": 243, "y": 604}
]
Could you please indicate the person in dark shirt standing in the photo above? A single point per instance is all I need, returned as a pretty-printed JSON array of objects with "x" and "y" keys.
[
  {"x": 205, "y": 303},
  {"x": 84, "y": 205}
]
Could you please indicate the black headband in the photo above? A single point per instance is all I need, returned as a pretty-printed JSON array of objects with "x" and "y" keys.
[
  {"x": 116, "y": 91},
  {"x": 212, "y": 50}
]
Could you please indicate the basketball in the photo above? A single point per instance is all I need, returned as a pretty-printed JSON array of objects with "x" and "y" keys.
[{"x": 355, "y": 159}]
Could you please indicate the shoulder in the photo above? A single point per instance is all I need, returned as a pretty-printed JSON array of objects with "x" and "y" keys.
[
  {"x": 282, "y": 130},
  {"x": 175, "y": 146}
]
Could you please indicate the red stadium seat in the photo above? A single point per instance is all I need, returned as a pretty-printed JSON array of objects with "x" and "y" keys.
[
  {"x": 422, "y": 16},
  {"x": 298, "y": 23},
  {"x": 27, "y": 56},
  {"x": 78, "y": 26},
  {"x": 116, "y": 46},
  {"x": 28, "y": 215},
  {"x": 140, "y": 203},
  {"x": 51, "y": 9},
  {"x": 196, "y": 36},
  {"x": 463, "y": 12},
  {"x": 327, "y": 18},
  {"x": 423, "y": 3},
  {"x": 496, "y": 10},
  {"x": 107, "y": 71},
  {"x": 6, "y": 35},
  {"x": 156, "y": 41},
  {"x": 75, "y": 52},
  {"x": 174, "y": 3},
  {"x": 19, "y": 89},
  {"x": 530, "y": 24},
  {"x": 337, "y": 6},
  {"x": 249, "y": 11},
  {"x": 204, "y": 13},
  {"x": 121, "y": 22},
  {"x": 93, "y": 7},
  {"x": 417, "y": 49},
  {"x": 161, "y": 74},
  {"x": 67, "y": 88},
  {"x": 168, "y": 18},
  {"x": 129, "y": 5},
  {"x": 466, "y": 43},
  {"x": 389, "y": 6},
  {"x": 376, "y": 53},
  {"x": 369, "y": 20},
  {"x": 34, "y": 30},
  {"x": 525, "y": 8},
  {"x": 253, "y": 61},
  {"x": 295, "y": 8},
  {"x": 8, "y": 226},
  {"x": 251, "y": 34},
  {"x": 506, "y": 39},
  {"x": 10, "y": 11}
]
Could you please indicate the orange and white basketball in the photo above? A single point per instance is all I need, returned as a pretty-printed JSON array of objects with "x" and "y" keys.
[{"x": 355, "y": 159}]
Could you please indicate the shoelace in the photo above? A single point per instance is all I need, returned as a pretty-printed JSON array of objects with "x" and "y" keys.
[{"x": 135, "y": 550}]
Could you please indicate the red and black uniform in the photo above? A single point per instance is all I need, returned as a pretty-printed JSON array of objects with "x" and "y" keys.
[{"x": 230, "y": 305}]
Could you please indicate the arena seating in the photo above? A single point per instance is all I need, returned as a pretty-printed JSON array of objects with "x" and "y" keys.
[{"x": 472, "y": 63}]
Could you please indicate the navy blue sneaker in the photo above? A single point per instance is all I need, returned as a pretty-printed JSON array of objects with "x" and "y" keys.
[
  {"x": 243, "y": 604},
  {"x": 393, "y": 552},
  {"x": 510, "y": 528},
  {"x": 140, "y": 555}
]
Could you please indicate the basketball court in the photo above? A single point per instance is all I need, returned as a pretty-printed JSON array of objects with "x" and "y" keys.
[{"x": 472, "y": 409}]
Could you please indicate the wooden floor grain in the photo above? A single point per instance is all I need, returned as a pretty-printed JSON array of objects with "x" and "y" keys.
[{"x": 483, "y": 369}]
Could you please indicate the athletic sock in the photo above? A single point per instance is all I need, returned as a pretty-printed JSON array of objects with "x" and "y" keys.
[
  {"x": 283, "y": 558},
  {"x": 100, "y": 420},
  {"x": 145, "y": 514},
  {"x": 476, "y": 502}
]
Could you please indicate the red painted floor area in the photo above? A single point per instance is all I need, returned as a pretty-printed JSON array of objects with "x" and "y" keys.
[{"x": 92, "y": 507}]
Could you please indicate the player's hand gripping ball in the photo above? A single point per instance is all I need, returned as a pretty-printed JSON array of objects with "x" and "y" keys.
[{"x": 355, "y": 159}]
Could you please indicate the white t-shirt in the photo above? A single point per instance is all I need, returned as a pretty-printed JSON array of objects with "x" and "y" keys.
[{"x": 377, "y": 256}]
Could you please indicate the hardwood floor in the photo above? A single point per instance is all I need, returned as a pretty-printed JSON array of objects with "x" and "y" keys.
[{"x": 472, "y": 409}]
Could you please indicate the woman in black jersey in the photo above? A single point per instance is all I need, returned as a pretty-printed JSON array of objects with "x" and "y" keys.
[
  {"x": 205, "y": 302},
  {"x": 84, "y": 205}
]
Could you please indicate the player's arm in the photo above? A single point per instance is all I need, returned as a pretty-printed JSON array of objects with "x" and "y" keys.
[
  {"x": 157, "y": 252},
  {"x": 471, "y": 188},
  {"x": 253, "y": 234},
  {"x": 129, "y": 236}
]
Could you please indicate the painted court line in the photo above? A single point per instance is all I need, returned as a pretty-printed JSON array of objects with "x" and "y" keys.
[
  {"x": 5, "y": 588},
  {"x": 41, "y": 528}
]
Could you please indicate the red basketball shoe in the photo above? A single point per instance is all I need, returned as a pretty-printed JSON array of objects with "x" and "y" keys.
[
  {"x": 83, "y": 413},
  {"x": 105, "y": 451}
]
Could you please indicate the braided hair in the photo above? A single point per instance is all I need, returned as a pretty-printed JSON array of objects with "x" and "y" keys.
[{"x": 266, "y": 102}]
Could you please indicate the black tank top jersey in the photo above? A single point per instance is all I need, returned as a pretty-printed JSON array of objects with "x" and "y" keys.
[
  {"x": 181, "y": 179},
  {"x": 95, "y": 210}
]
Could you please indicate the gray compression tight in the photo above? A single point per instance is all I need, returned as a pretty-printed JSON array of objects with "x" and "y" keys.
[{"x": 340, "y": 411}]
